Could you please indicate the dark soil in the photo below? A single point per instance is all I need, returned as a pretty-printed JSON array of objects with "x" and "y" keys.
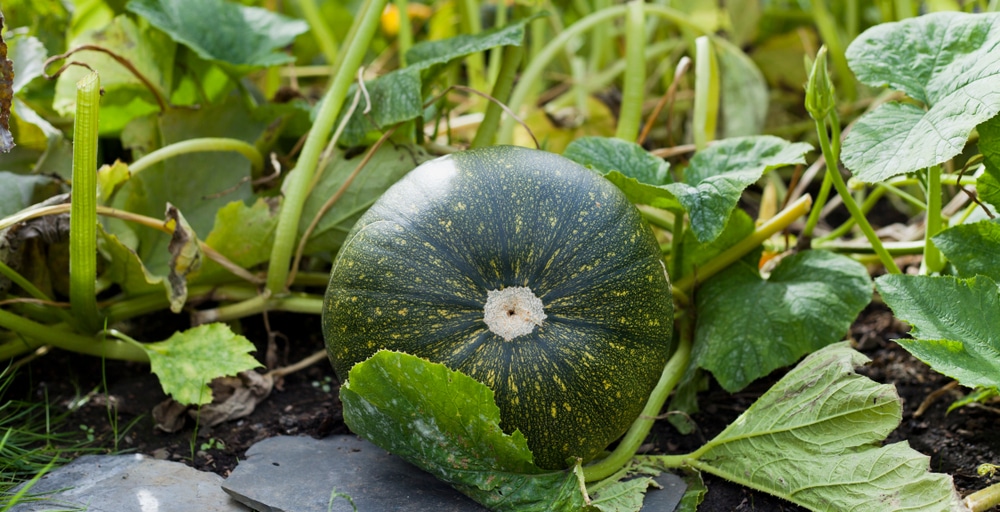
[{"x": 306, "y": 404}]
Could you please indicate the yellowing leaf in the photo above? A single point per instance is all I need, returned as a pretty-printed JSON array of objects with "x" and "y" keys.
[{"x": 188, "y": 361}]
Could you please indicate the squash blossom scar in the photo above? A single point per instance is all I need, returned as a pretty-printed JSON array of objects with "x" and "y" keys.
[{"x": 513, "y": 311}]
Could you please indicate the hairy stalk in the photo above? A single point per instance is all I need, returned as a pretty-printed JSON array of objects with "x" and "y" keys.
[
  {"x": 630, "y": 116},
  {"x": 672, "y": 373},
  {"x": 776, "y": 224},
  {"x": 298, "y": 180},
  {"x": 83, "y": 210},
  {"x": 200, "y": 145}
]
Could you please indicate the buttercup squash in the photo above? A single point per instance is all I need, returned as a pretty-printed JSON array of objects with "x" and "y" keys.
[{"x": 524, "y": 270}]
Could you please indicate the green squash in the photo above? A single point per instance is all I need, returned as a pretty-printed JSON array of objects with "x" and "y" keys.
[{"x": 524, "y": 270}]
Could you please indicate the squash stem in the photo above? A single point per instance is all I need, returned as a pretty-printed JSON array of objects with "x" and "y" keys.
[{"x": 672, "y": 373}]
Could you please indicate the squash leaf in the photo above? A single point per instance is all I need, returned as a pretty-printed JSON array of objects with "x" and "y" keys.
[
  {"x": 187, "y": 361},
  {"x": 745, "y": 96},
  {"x": 954, "y": 324},
  {"x": 988, "y": 183},
  {"x": 199, "y": 184},
  {"x": 947, "y": 61},
  {"x": 397, "y": 96},
  {"x": 447, "y": 424},
  {"x": 387, "y": 165},
  {"x": 243, "y": 234},
  {"x": 718, "y": 174},
  {"x": 748, "y": 326},
  {"x": 425, "y": 54},
  {"x": 801, "y": 441},
  {"x": 966, "y": 244},
  {"x": 126, "y": 97},
  {"x": 251, "y": 39},
  {"x": 640, "y": 175}
]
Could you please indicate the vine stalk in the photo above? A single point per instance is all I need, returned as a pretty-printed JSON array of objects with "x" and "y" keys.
[{"x": 298, "y": 181}]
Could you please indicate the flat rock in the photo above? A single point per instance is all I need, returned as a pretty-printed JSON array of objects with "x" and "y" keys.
[
  {"x": 114, "y": 483},
  {"x": 301, "y": 474}
]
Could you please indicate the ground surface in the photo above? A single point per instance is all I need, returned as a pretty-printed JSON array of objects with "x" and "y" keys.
[{"x": 306, "y": 404}]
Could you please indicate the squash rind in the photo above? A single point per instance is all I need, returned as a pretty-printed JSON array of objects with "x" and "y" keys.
[{"x": 416, "y": 270}]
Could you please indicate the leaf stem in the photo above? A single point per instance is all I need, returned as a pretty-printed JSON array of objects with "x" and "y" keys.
[
  {"x": 200, "y": 145},
  {"x": 630, "y": 116},
  {"x": 512, "y": 56},
  {"x": 817, "y": 209},
  {"x": 933, "y": 259},
  {"x": 83, "y": 205},
  {"x": 845, "y": 195},
  {"x": 319, "y": 29},
  {"x": 776, "y": 224},
  {"x": 298, "y": 180},
  {"x": 706, "y": 92},
  {"x": 672, "y": 373},
  {"x": 532, "y": 75},
  {"x": 38, "y": 334}
]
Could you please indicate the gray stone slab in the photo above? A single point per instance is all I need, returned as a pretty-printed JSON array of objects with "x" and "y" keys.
[
  {"x": 299, "y": 474},
  {"x": 117, "y": 483}
]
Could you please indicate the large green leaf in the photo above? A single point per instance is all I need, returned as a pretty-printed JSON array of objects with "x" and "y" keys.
[
  {"x": 973, "y": 248},
  {"x": 392, "y": 98},
  {"x": 715, "y": 180},
  {"x": 198, "y": 184},
  {"x": 815, "y": 439},
  {"x": 744, "y": 92},
  {"x": 388, "y": 164},
  {"x": 749, "y": 326},
  {"x": 447, "y": 424},
  {"x": 241, "y": 37},
  {"x": 243, "y": 234},
  {"x": 187, "y": 361},
  {"x": 640, "y": 175},
  {"x": 397, "y": 96},
  {"x": 125, "y": 96},
  {"x": 429, "y": 53},
  {"x": 19, "y": 191},
  {"x": 947, "y": 61},
  {"x": 693, "y": 253},
  {"x": 955, "y": 328},
  {"x": 606, "y": 154}
]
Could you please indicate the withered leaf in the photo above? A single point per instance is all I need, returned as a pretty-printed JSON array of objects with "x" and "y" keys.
[{"x": 6, "y": 94}]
